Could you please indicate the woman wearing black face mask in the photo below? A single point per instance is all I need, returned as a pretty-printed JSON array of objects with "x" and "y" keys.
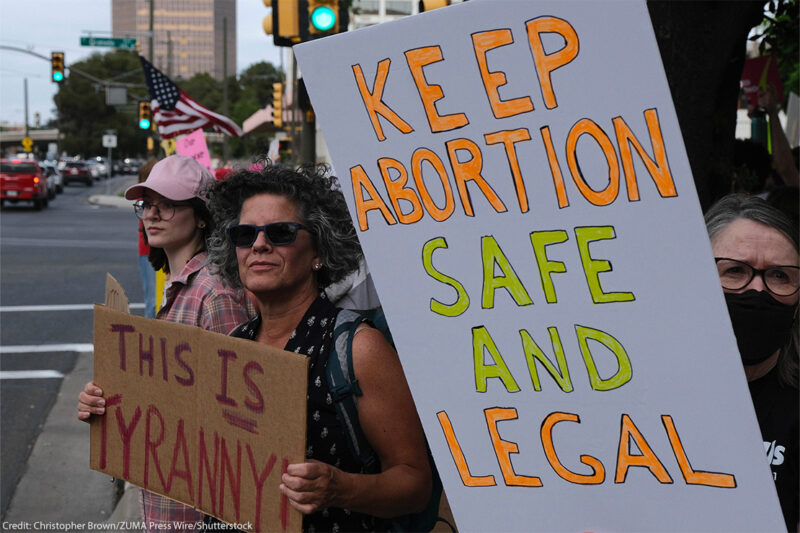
[{"x": 756, "y": 250}]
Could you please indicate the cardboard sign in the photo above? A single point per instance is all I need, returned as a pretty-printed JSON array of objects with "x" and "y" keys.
[
  {"x": 199, "y": 417},
  {"x": 194, "y": 146},
  {"x": 116, "y": 298},
  {"x": 524, "y": 200}
]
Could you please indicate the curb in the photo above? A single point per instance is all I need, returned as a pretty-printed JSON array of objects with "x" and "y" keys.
[
  {"x": 105, "y": 200},
  {"x": 114, "y": 199},
  {"x": 127, "y": 514}
]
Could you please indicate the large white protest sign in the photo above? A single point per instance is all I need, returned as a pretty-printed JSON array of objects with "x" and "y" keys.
[{"x": 517, "y": 175}]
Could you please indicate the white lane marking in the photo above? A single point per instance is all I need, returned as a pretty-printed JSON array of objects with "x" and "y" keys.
[
  {"x": 41, "y": 348},
  {"x": 65, "y": 307},
  {"x": 66, "y": 243},
  {"x": 30, "y": 374}
]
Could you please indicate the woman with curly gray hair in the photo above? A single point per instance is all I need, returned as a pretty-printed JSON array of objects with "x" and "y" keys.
[{"x": 285, "y": 235}]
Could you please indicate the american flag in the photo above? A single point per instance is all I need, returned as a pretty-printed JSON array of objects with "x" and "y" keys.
[{"x": 175, "y": 112}]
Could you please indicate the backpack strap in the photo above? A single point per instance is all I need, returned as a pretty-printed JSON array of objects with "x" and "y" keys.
[{"x": 344, "y": 387}]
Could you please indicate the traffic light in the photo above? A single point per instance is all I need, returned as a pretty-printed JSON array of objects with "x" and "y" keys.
[
  {"x": 57, "y": 66},
  {"x": 326, "y": 17},
  {"x": 277, "y": 105},
  {"x": 427, "y": 5},
  {"x": 283, "y": 24},
  {"x": 296, "y": 21},
  {"x": 145, "y": 115}
]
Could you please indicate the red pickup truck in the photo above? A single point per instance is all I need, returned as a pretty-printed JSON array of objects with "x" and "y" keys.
[{"x": 22, "y": 179}]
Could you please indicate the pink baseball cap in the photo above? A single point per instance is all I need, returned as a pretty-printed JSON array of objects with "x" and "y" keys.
[{"x": 177, "y": 178}]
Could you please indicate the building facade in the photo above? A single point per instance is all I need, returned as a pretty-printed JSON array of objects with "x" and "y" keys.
[
  {"x": 190, "y": 36},
  {"x": 370, "y": 12}
]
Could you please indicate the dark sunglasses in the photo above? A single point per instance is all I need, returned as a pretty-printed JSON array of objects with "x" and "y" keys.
[{"x": 277, "y": 233}]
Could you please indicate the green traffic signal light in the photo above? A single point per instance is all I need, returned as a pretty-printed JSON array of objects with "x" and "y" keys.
[
  {"x": 57, "y": 66},
  {"x": 145, "y": 115},
  {"x": 323, "y": 18}
]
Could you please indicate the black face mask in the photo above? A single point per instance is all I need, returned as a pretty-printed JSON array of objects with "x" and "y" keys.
[{"x": 761, "y": 324}]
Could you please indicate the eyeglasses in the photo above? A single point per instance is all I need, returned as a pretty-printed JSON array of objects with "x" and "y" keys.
[
  {"x": 277, "y": 233},
  {"x": 779, "y": 280},
  {"x": 166, "y": 210}
]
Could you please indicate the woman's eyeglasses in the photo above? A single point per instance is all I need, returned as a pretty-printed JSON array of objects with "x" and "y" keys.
[
  {"x": 779, "y": 280},
  {"x": 166, "y": 210},
  {"x": 277, "y": 233}
]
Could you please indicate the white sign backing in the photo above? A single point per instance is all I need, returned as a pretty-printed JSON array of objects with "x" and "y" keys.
[{"x": 518, "y": 178}]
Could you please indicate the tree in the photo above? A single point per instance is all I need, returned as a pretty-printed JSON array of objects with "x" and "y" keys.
[
  {"x": 83, "y": 116},
  {"x": 778, "y": 36},
  {"x": 82, "y": 113},
  {"x": 255, "y": 85},
  {"x": 203, "y": 88},
  {"x": 702, "y": 46}
]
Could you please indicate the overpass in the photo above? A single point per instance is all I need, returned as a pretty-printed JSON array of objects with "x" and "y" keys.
[{"x": 11, "y": 140}]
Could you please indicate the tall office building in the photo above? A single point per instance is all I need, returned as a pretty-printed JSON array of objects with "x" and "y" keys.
[{"x": 189, "y": 35}]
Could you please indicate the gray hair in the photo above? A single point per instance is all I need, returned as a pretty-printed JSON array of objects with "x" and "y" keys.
[
  {"x": 742, "y": 206},
  {"x": 322, "y": 209}
]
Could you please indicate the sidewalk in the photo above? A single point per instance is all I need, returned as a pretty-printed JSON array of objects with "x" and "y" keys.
[
  {"x": 114, "y": 199},
  {"x": 57, "y": 486}
]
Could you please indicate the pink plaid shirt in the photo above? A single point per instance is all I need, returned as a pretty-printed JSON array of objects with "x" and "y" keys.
[{"x": 197, "y": 298}]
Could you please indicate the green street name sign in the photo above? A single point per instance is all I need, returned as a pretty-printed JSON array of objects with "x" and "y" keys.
[{"x": 126, "y": 43}]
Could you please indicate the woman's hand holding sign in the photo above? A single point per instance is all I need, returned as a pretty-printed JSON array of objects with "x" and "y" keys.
[
  {"x": 311, "y": 486},
  {"x": 90, "y": 402}
]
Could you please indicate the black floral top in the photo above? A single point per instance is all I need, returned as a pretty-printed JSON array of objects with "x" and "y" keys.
[{"x": 326, "y": 441}]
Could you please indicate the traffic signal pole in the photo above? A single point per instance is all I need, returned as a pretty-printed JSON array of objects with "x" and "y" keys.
[
  {"x": 26, "y": 108},
  {"x": 294, "y": 129},
  {"x": 292, "y": 22},
  {"x": 308, "y": 138}
]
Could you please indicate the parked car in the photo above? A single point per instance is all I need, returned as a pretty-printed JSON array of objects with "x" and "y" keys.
[
  {"x": 22, "y": 179},
  {"x": 94, "y": 168},
  {"x": 100, "y": 164},
  {"x": 55, "y": 182},
  {"x": 77, "y": 171},
  {"x": 135, "y": 165}
]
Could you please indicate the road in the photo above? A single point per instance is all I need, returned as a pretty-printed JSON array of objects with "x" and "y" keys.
[{"x": 52, "y": 269}]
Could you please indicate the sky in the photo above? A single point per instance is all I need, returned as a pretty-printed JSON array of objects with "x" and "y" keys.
[{"x": 44, "y": 26}]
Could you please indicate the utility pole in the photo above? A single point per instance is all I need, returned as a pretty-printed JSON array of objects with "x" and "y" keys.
[
  {"x": 308, "y": 130},
  {"x": 26, "y": 107},
  {"x": 169, "y": 54},
  {"x": 150, "y": 142},
  {"x": 294, "y": 127},
  {"x": 152, "y": 16},
  {"x": 225, "y": 148}
]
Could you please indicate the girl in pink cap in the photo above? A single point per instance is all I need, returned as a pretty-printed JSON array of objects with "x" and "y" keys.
[{"x": 171, "y": 204}]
